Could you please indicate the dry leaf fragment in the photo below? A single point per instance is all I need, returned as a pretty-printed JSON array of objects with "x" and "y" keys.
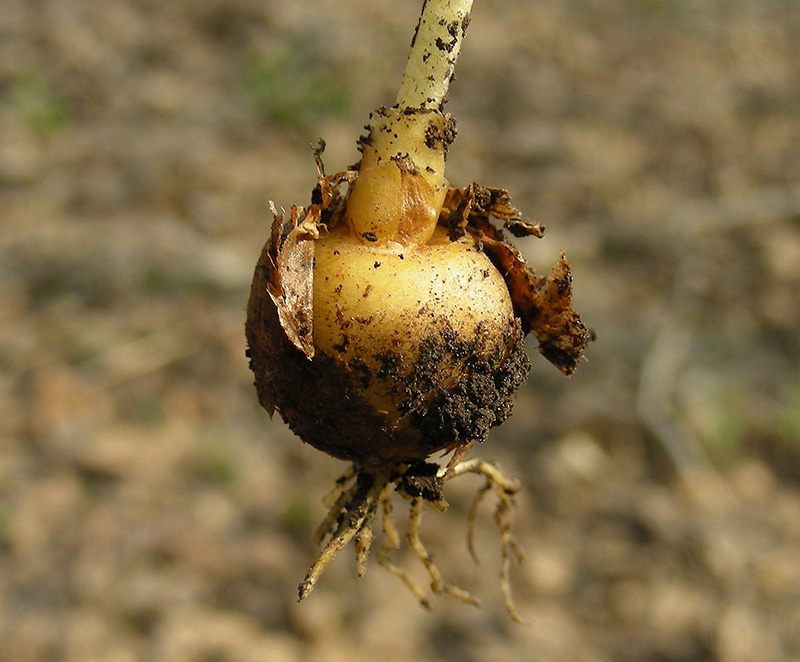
[
  {"x": 290, "y": 283},
  {"x": 561, "y": 334},
  {"x": 475, "y": 199},
  {"x": 544, "y": 305},
  {"x": 290, "y": 279}
]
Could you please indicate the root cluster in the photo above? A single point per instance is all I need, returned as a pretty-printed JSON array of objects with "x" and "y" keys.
[{"x": 359, "y": 494}]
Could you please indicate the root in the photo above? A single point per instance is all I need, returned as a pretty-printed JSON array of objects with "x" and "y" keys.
[
  {"x": 438, "y": 585},
  {"x": 354, "y": 506},
  {"x": 335, "y": 501},
  {"x": 472, "y": 518},
  {"x": 392, "y": 541},
  {"x": 357, "y": 495},
  {"x": 505, "y": 489},
  {"x": 363, "y": 543}
]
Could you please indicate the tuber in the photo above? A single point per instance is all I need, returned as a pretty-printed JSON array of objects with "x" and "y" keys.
[{"x": 386, "y": 322}]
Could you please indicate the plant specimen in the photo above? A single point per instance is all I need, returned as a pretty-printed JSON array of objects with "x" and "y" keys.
[{"x": 386, "y": 322}]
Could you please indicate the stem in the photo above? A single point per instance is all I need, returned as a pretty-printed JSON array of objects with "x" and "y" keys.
[
  {"x": 401, "y": 188},
  {"x": 434, "y": 50}
]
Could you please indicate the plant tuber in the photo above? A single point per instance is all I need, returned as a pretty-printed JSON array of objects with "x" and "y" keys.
[{"x": 386, "y": 323}]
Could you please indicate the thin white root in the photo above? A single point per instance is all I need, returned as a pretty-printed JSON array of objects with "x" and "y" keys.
[
  {"x": 473, "y": 516},
  {"x": 363, "y": 543},
  {"x": 459, "y": 455},
  {"x": 339, "y": 487},
  {"x": 484, "y": 468},
  {"x": 335, "y": 501},
  {"x": 438, "y": 585},
  {"x": 354, "y": 513},
  {"x": 505, "y": 488},
  {"x": 356, "y": 497},
  {"x": 391, "y": 542}
]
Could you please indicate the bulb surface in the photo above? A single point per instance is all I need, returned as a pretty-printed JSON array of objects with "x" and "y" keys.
[{"x": 417, "y": 349}]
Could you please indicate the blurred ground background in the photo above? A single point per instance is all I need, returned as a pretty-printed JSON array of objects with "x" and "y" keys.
[{"x": 148, "y": 508}]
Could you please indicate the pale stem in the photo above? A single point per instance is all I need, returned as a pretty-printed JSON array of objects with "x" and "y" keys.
[{"x": 434, "y": 50}]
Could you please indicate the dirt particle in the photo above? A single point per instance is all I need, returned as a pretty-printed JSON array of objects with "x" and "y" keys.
[
  {"x": 342, "y": 346},
  {"x": 421, "y": 480}
]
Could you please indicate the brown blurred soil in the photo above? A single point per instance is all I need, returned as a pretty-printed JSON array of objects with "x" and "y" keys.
[{"x": 150, "y": 511}]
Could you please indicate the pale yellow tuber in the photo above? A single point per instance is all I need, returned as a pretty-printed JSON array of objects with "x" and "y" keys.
[{"x": 387, "y": 323}]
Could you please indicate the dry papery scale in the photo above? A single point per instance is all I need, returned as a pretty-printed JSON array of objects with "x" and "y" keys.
[{"x": 386, "y": 323}]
